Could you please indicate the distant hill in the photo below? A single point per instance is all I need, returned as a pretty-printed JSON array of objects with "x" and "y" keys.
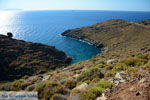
[
  {"x": 19, "y": 58},
  {"x": 119, "y": 38}
]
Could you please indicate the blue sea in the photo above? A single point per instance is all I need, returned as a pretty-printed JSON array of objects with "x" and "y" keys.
[{"x": 46, "y": 26}]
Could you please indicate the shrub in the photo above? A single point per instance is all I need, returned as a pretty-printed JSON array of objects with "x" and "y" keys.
[
  {"x": 104, "y": 84},
  {"x": 90, "y": 74},
  {"x": 132, "y": 71},
  {"x": 47, "y": 89},
  {"x": 9, "y": 34},
  {"x": 109, "y": 74},
  {"x": 92, "y": 93},
  {"x": 101, "y": 65},
  {"x": 95, "y": 91},
  {"x": 57, "y": 97},
  {"x": 75, "y": 92},
  {"x": 95, "y": 80},
  {"x": 134, "y": 62},
  {"x": 16, "y": 85},
  {"x": 70, "y": 84},
  {"x": 147, "y": 65},
  {"x": 120, "y": 67}
]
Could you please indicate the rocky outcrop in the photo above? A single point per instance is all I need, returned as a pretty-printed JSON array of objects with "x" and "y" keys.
[{"x": 19, "y": 58}]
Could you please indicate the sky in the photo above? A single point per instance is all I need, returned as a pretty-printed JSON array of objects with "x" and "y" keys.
[{"x": 123, "y": 5}]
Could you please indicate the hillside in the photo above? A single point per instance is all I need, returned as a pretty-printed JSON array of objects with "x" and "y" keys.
[
  {"x": 118, "y": 37},
  {"x": 122, "y": 72},
  {"x": 19, "y": 58}
]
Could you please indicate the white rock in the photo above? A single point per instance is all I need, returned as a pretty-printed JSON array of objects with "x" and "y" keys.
[
  {"x": 102, "y": 97},
  {"x": 83, "y": 86},
  {"x": 46, "y": 77},
  {"x": 121, "y": 77},
  {"x": 76, "y": 75},
  {"x": 111, "y": 61}
]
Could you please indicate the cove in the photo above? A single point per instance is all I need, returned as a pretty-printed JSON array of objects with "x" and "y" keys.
[{"x": 46, "y": 26}]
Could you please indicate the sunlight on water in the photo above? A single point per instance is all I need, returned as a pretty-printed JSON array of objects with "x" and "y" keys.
[{"x": 6, "y": 18}]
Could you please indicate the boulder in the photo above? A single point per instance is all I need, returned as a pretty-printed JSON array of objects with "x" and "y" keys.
[{"x": 83, "y": 86}]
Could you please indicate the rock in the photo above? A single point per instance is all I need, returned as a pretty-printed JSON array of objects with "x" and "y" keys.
[
  {"x": 111, "y": 61},
  {"x": 76, "y": 75},
  {"x": 30, "y": 88},
  {"x": 46, "y": 77},
  {"x": 83, "y": 86},
  {"x": 68, "y": 59},
  {"x": 102, "y": 97},
  {"x": 34, "y": 78},
  {"x": 142, "y": 80},
  {"x": 74, "y": 97},
  {"x": 121, "y": 77}
]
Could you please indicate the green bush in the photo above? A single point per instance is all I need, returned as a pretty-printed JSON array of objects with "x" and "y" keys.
[
  {"x": 147, "y": 65},
  {"x": 75, "y": 92},
  {"x": 90, "y": 74},
  {"x": 95, "y": 91},
  {"x": 47, "y": 89},
  {"x": 109, "y": 74},
  {"x": 91, "y": 93},
  {"x": 104, "y": 84},
  {"x": 101, "y": 66},
  {"x": 16, "y": 85},
  {"x": 132, "y": 71},
  {"x": 120, "y": 67},
  {"x": 134, "y": 61}
]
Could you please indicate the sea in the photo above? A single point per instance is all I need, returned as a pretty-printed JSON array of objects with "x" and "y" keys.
[{"x": 46, "y": 26}]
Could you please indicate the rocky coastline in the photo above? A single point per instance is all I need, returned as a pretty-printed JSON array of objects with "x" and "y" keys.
[{"x": 83, "y": 39}]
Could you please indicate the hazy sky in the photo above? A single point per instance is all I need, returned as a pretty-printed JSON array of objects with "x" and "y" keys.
[{"x": 128, "y": 5}]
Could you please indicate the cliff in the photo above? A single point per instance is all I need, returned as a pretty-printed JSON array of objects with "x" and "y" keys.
[{"x": 19, "y": 58}]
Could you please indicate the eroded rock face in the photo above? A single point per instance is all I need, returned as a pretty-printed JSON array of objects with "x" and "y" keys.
[{"x": 19, "y": 58}]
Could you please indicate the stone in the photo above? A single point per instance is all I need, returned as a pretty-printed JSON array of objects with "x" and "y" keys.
[
  {"x": 102, "y": 97},
  {"x": 46, "y": 77},
  {"x": 111, "y": 61},
  {"x": 83, "y": 86},
  {"x": 121, "y": 77}
]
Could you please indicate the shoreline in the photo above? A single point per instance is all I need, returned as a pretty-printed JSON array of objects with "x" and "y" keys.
[{"x": 85, "y": 40}]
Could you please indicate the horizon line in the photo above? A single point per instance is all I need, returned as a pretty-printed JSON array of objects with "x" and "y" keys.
[{"x": 70, "y": 10}]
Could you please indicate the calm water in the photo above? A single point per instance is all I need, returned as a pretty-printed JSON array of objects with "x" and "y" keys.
[{"x": 46, "y": 26}]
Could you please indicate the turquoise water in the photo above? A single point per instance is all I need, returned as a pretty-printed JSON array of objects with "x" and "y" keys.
[{"x": 46, "y": 26}]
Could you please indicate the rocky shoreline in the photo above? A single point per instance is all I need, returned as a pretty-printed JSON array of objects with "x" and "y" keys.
[{"x": 83, "y": 39}]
